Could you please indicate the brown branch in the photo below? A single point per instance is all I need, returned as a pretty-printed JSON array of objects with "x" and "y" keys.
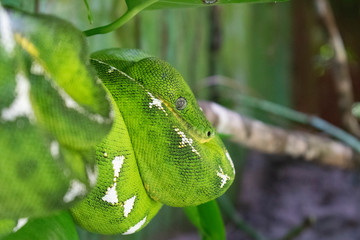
[
  {"x": 298, "y": 230},
  {"x": 274, "y": 140},
  {"x": 36, "y": 6},
  {"x": 341, "y": 72}
]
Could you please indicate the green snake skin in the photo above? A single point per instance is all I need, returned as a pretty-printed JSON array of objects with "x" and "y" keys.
[
  {"x": 161, "y": 150},
  {"x": 121, "y": 124},
  {"x": 53, "y": 112}
]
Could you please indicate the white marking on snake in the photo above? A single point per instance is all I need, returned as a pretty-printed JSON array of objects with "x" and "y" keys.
[
  {"x": 230, "y": 160},
  {"x": 186, "y": 141},
  {"x": 92, "y": 174},
  {"x": 135, "y": 227},
  {"x": 37, "y": 69},
  {"x": 20, "y": 223},
  {"x": 21, "y": 106},
  {"x": 156, "y": 102},
  {"x": 69, "y": 102},
  {"x": 112, "y": 69},
  {"x": 76, "y": 189},
  {"x": 128, "y": 205},
  {"x": 111, "y": 195},
  {"x": 54, "y": 149},
  {"x": 6, "y": 34},
  {"x": 117, "y": 163},
  {"x": 72, "y": 104},
  {"x": 223, "y": 176}
]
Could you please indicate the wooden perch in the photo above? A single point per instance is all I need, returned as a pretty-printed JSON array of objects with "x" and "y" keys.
[
  {"x": 341, "y": 70},
  {"x": 274, "y": 140}
]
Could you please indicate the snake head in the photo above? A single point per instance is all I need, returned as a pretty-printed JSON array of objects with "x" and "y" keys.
[
  {"x": 189, "y": 164},
  {"x": 181, "y": 159}
]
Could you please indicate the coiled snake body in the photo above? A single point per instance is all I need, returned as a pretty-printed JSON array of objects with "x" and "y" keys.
[{"x": 161, "y": 150}]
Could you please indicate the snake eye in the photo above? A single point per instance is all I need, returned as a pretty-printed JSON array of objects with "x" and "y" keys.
[{"x": 180, "y": 103}]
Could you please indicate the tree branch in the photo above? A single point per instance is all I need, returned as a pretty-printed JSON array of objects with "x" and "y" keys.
[
  {"x": 298, "y": 230},
  {"x": 129, "y": 14},
  {"x": 274, "y": 140},
  {"x": 341, "y": 72}
]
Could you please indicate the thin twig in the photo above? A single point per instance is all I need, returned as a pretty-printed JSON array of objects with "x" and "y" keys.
[
  {"x": 274, "y": 140},
  {"x": 341, "y": 72},
  {"x": 295, "y": 232},
  {"x": 129, "y": 14},
  {"x": 229, "y": 210},
  {"x": 287, "y": 113},
  {"x": 90, "y": 17}
]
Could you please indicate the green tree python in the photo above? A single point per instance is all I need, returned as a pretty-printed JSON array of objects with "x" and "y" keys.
[{"x": 160, "y": 148}]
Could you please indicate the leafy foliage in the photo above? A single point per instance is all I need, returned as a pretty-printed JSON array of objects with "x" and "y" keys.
[
  {"x": 160, "y": 4},
  {"x": 207, "y": 219},
  {"x": 135, "y": 6}
]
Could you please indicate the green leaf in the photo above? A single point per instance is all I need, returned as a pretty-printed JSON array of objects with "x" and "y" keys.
[
  {"x": 53, "y": 111},
  {"x": 207, "y": 218},
  {"x": 90, "y": 17},
  {"x": 140, "y": 3},
  {"x": 188, "y": 3},
  {"x": 136, "y": 6},
  {"x": 59, "y": 226},
  {"x": 198, "y": 3}
]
